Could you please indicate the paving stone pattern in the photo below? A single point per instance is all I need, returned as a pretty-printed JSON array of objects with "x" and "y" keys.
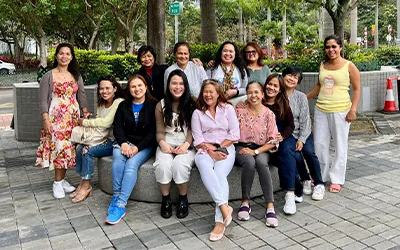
[{"x": 364, "y": 215}]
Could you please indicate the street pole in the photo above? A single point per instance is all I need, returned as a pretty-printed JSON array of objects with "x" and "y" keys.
[
  {"x": 376, "y": 41},
  {"x": 353, "y": 25},
  {"x": 398, "y": 23},
  {"x": 176, "y": 28}
]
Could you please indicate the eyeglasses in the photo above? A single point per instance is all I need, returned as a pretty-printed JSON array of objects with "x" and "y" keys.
[
  {"x": 251, "y": 52},
  {"x": 332, "y": 46}
]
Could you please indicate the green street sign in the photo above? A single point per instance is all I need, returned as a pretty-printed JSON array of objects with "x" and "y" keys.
[{"x": 176, "y": 8}]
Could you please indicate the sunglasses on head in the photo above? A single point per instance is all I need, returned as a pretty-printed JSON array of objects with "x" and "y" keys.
[{"x": 332, "y": 46}]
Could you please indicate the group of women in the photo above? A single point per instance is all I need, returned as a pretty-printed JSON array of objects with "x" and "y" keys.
[{"x": 183, "y": 114}]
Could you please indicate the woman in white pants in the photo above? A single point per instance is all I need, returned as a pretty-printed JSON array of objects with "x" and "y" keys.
[
  {"x": 334, "y": 110},
  {"x": 215, "y": 128},
  {"x": 174, "y": 156}
]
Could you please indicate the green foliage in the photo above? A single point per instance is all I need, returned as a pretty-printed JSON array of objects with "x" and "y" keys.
[{"x": 95, "y": 64}]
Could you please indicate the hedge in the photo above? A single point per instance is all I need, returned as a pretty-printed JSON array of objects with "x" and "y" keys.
[{"x": 94, "y": 64}]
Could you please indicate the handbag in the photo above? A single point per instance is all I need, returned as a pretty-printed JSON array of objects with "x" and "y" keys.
[{"x": 90, "y": 136}]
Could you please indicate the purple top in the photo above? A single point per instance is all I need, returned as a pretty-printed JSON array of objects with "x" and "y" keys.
[{"x": 225, "y": 126}]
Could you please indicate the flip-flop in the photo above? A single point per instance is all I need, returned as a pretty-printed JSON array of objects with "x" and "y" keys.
[{"x": 335, "y": 188}]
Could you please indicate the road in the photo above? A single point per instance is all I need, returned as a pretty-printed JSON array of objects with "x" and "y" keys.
[{"x": 6, "y": 101}]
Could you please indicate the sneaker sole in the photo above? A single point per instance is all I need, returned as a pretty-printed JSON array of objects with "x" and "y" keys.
[
  {"x": 113, "y": 223},
  {"x": 317, "y": 199},
  {"x": 271, "y": 225}
]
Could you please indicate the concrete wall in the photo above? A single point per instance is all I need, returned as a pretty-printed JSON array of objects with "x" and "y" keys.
[{"x": 28, "y": 121}]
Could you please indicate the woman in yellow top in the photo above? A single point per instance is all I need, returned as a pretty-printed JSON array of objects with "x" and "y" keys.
[{"x": 334, "y": 110}]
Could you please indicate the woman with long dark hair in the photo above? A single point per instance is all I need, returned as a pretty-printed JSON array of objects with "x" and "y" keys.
[
  {"x": 334, "y": 111},
  {"x": 134, "y": 131},
  {"x": 229, "y": 70},
  {"x": 276, "y": 100},
  {"x": 62, "y": 96},
  {"x": 175, "y": 156},
  {"x": 109, "y": 96}
]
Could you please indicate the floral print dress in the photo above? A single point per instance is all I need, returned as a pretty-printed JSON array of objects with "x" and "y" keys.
[{"x": 55, "y": 149}]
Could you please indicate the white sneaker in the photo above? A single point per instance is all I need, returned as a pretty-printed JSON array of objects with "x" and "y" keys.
[
  {"x": 290, "y": 205},
  {"x": 58, "y": 190},
  {"x": 68, "y": 188},
  {"x": 307, "y": 187},
  {"x": 319, "y": 192},
  {"x": 298, "y": 199}
]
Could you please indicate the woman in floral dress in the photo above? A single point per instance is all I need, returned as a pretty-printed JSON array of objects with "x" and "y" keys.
[{"x": 61, "y": 96}]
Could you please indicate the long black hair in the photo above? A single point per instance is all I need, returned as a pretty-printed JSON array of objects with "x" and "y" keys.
[
  {"x": 120, "y": 93},
  {"x": 73, "y": 66},
  {"x": 281, "y": 104},
  {"x": 186, "y": 104},
  {"x": 238, "y": 61}
]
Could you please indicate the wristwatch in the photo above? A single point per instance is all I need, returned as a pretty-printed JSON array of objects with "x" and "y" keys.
[{"x": 256, "y": 152}]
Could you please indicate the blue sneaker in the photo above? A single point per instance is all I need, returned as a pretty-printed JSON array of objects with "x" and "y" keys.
[
  {"x": 117, "y": 213},
  {"x": 113, "y": 203}
]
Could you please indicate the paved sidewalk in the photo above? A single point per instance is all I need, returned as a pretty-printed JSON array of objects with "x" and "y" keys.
[{"x": 364, "y": 215}]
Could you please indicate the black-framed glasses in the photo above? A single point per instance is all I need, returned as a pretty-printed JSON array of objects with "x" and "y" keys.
[{"x": 248, "y": 52}]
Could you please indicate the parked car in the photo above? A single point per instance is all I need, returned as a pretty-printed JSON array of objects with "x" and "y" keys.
[{"x": 6, "y": 68}]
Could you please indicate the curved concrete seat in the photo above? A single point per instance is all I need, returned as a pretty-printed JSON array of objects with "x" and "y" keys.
[{"x": 147, "y": 189}]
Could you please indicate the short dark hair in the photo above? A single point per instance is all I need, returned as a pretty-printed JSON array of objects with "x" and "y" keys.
[
  {"x": 291, "y": 70},
  {"x": 143, "y": 50},
  {"x": 333, "y": 37},
  {"x": 179, "y": 44}
]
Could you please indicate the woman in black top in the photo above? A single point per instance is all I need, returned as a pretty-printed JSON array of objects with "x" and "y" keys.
[
  {"x": 277, "y": 101},
  {"x": 134, "y": 131}
]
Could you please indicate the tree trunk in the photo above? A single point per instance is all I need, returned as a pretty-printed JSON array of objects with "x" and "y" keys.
[
  {"x": 353, "y": 18},
  {"x": 284, "y": 33},
  {"x": 156, "y": 28},
  {"x": 95, "y": 32},
  {"x": 338, "y": 27},
  {"x": 240, "y": 37},
  {"x": 208, "y": 21},
  {"x": 115, "y": 44},
  {"x": 42, "y": 47},
  {"x": 130, "y": 44},
  {"x": 250, "y": 36},
  {"x": 327, "y": 24}
]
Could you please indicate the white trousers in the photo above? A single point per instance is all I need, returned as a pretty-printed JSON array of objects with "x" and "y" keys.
[
  {"x": 327, "y": 125},
  {"x": 214, "y": 176},
  {"x": 171, "y": 166}
]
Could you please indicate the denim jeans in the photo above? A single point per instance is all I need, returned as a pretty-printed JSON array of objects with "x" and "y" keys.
[
  {"x": 288, "y": 176},
  {"x": 124, "y": 172},
  {"x": 308, "y": 152},
  {"x": 85, "y": 158}
]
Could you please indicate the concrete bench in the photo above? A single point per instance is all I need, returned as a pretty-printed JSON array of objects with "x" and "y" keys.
[{"x": 147, "y": 189}]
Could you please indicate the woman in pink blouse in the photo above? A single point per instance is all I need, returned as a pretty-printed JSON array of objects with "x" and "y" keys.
[
  {"x": 257, "y": 137},
  {"x": 215, "y": 128}
]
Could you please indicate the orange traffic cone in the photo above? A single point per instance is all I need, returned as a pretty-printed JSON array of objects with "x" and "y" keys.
[{"x": 390, "y": 105}]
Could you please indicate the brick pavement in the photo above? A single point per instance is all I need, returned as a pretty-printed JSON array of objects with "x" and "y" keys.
[{"x": 364, "y": 215}]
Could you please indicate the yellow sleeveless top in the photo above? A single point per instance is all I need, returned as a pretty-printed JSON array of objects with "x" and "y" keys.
[{"x": 334, "y": 92}]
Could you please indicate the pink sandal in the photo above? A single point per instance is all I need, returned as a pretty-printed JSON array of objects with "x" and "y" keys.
[{"x": 335, "y": 188}]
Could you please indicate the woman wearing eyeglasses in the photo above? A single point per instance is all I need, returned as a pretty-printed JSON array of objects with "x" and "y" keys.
[
  {"x": 334, "y": 110},
  {"x": 253, "y": 55}
]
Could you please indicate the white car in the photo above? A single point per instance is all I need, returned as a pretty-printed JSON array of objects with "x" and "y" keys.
[{"x": 6, "y": 68}]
